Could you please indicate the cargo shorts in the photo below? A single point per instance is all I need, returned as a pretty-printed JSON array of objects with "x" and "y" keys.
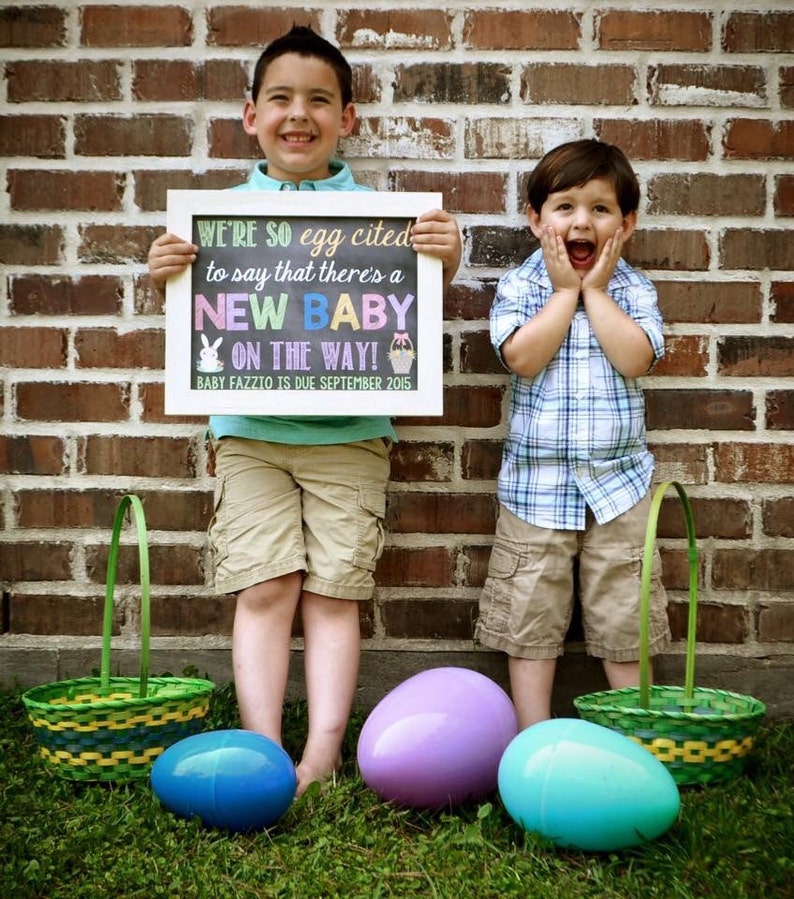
[
  {"x": 317, "y": 509},
  {"x": 527, "y": 602}
]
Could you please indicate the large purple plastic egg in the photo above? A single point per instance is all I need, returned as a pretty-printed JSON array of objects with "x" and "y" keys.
[
  {"x": 231, "y": 779},
  {"x": 437, "y": 739}
]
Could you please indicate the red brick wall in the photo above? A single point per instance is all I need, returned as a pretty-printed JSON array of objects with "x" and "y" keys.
[{"x": 104, "y": 107}]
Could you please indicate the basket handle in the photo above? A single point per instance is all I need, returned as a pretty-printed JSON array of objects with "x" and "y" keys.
[
  {"x": 645, "y": 594},
  {"x": 127, "y": 501}
]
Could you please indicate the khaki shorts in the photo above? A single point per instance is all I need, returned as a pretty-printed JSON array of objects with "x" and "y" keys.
[
  {"x": 318, "y": 509},
  {"x": 527, "y": 602}
]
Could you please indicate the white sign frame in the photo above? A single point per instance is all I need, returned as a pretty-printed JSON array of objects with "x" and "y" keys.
[{"x": 306, "y": 208}]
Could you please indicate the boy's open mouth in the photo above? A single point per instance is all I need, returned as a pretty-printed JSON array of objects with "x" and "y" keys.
[
  {"x": 294, "y": 137},
  {"x": 581, "y": 253}
]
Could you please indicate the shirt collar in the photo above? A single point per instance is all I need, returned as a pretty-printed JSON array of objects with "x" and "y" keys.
[{"x": 340, "y": 179}]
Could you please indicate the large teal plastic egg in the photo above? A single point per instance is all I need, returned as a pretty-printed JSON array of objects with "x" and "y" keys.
[
  {"x": 583, "y": 786},
  {"x": 231, "y": 779}
]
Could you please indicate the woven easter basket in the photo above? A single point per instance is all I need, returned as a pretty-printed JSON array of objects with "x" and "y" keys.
[
  {"x": 113, "y": 728},
  {"x": 701, "y": 735}
]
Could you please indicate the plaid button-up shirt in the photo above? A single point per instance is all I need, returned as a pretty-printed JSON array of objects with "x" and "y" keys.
[{"x": 576, "y": 435}]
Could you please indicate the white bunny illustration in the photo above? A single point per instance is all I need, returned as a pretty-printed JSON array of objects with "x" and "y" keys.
[{"x": 209, "y": 354}]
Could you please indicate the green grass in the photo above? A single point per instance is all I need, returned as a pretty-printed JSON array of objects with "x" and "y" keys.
[{"x": 61, "y": 840}]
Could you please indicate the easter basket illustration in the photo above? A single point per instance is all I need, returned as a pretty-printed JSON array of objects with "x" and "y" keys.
[
  {"x": 113, "y": 728},
  {"x": 701, "y": 735},
  {"x": 401, "y": 353}
]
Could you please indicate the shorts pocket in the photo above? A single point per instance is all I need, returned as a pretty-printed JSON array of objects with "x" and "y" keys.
[
  {"x": 496, "y": 599},
  {"x": 659, "y": 621},
  {"x": 503, "y": 562},
  {"x": 217, "y": 534},
  {"x": 372, "y": 529}
]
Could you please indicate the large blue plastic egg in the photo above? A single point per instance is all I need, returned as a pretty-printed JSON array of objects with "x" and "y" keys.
[
  {"x": 231, "y": 779},
  {"x": 583, "y": 786},
  {"x": 436, "y": 739}
]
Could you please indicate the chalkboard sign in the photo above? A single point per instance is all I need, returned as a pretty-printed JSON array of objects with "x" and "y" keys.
[{"x": 303, "y": 303}]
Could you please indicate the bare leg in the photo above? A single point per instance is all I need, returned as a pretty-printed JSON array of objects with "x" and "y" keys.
[
  {"x": 261, "y": 651},
  {"x": 622, "y": 674},
  {"x": 332, "y": 648},
  {"x": 531, "y": 682}
]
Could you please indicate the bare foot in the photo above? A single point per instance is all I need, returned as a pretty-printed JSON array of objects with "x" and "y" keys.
[{"x": 309, "y": 773}]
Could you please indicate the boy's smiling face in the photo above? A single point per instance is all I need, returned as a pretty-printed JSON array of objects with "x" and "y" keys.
[
  {"x": 298, "y": 117},
  {"x": 585, "y": 217}
]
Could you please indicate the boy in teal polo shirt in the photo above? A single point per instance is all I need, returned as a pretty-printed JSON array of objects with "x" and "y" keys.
[{"x": 301, "y": 501}]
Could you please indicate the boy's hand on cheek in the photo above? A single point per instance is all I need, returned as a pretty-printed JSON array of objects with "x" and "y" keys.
[
  {"x": 562, "y": 274},
  {"x": 600, "y": 274}
]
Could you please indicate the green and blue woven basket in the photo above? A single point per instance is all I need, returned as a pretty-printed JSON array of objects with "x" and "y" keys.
[
  {"x": 113, "y": 728},
  {"x": 701, "y": 735}
]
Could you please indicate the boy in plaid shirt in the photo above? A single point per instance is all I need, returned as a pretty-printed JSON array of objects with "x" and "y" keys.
[{"x": 576, "y": 326}]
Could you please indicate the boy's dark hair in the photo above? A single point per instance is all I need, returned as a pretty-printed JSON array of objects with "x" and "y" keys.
[
  {"x": 305, "y": 42},
  {"x": 579, "y": 161}
]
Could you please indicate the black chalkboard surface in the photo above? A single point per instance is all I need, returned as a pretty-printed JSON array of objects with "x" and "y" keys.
[{"x": 303, "y": 303}]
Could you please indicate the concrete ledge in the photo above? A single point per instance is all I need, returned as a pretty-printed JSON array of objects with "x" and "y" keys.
[{"x": 768, "y": 679}]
